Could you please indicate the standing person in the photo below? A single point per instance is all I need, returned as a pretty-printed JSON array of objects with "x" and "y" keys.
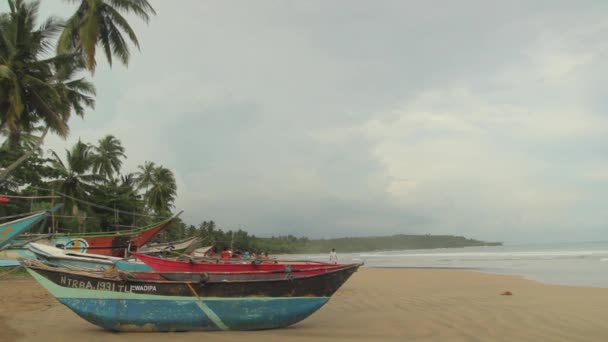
[
  {"x": 333, "y": 256},
  {"x": 226, "y": 254}
]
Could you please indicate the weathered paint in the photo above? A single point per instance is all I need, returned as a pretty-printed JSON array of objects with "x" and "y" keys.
[
  {"x": 321, "y": 285},
  {"x": 127, "y": 311},
  {"x": 111, "y": 243},
  {"x": 59, "y": 257},
  {"x": 184, "y": 315},
  {"x": 120, "y": 265},
  {"x": 10, "y": 230},
  {"x": 9, "y": 263},
  {"x": 170, "y": 265}
]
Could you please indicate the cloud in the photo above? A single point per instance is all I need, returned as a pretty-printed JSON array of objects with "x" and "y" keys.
[{"x": 355, "y": 118}]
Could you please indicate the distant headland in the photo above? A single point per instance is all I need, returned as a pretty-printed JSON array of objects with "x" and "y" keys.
[{"x": 293, "y": 245}]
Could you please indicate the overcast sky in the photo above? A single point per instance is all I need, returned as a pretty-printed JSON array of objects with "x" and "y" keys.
[{"x": 350, "y": 118}]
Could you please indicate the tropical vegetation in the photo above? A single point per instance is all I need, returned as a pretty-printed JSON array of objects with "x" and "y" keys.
[{"x": 42, "y": 85}]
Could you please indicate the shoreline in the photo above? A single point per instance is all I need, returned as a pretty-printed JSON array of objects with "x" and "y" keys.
[{"x": 383, "y": 304}]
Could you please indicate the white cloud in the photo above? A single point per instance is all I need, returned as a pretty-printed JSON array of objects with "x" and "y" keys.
[{"x": 340, "y": 118}]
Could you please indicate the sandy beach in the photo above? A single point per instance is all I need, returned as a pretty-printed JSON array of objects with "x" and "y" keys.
[{"x": 374, "y": 305}]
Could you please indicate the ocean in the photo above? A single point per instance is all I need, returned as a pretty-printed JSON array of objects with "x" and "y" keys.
[{"x": 577, "y": 264}]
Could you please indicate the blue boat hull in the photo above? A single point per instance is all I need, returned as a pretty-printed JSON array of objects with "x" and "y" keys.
[
  {"x": 10, "y": 230},
  {"x": 129, "y": 311},
  {"x": 187, "y": 314}
]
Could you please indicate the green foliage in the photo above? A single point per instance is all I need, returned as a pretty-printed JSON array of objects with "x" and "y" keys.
[
  {"x": 75, "y": 176},
  {"x": 100, "y": 22},
  {"x": 160, "y": 187},
  {"x": 35, "y": 87},
  {"x": 107, "y": 155}
]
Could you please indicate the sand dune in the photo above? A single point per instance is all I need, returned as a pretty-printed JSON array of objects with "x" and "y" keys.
[{"x": 375, "y": 305}]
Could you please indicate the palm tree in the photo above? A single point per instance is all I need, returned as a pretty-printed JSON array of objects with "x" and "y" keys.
[
  {"x": 75, "y": 179},
  {"x": 34, "y": 88},
  {"x": 106, "y": 157},
  {"x": 145, "y": 175},
  {"x": 101, "y": 22},
  {"x": 160, "y": 186}
]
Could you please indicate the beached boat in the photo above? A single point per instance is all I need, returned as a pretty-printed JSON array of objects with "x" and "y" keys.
[
  {"x": 126, "y": 304},
  {"x": 116, "y": 244},
  {"x": 10, "y": 230},
  {"x": 65, "y": 258},
  {"x": 175, "y": 247},
  {"x": 243, "y": 265},
  {"x": 68, "y": 258}
]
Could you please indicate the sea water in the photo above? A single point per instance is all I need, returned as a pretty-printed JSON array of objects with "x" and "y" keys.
[{"x": 578, "y": 264}]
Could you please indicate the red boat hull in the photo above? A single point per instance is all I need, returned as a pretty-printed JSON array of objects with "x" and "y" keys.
[
  {"x": 168, "y": 265},
  {"x": 117, "y": 245}
]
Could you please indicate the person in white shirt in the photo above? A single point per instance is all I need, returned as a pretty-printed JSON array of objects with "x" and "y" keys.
[{"x": 333, "y": 257}]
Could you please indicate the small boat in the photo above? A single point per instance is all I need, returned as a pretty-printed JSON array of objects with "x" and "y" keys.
[
  {"x": 132, "y": 304},
  {"x": 10, "y": 230},
  {"x": 91, "y": 262},
  {"x": 242, "y": 265},
  {"x": 68, "y": 258},
  {"x": 180, "y": 247},
  {"x": 116, "y": 244},
  {"x": 201, "y": 252}
]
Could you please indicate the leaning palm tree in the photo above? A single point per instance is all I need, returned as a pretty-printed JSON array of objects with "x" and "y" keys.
[
  {"x": 101, "y": 22},
  {"x": 37, "y": 89},
  {"x": 107, "y": 156}
]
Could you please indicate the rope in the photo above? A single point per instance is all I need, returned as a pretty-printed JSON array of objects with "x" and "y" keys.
[
  {"x": 19, "y": 215},
  {"x": 89, "y": 203},
  {"x": 29, "y": 197}
]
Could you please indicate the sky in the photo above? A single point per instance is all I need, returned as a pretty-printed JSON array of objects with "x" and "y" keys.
[{"x": 357, "y": 118}]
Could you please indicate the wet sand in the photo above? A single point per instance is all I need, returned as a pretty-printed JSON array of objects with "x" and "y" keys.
[{"x": 374, "y": 305}]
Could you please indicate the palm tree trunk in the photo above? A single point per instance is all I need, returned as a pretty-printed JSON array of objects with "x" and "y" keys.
[{"x": 4, "y": 173}]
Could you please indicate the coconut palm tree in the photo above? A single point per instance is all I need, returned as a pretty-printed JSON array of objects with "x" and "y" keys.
[
  {"x": 145, "y": 175},
  {"x": 102, "y": 22},
  {"x": 38, "y": 92},
  {"x": 161, "y": 195},
  {"x": 106, "y": 157},
  {"x": 160, "y": 186},
  {"x": 74, "y": 175},
  {"x": 36, "y": 88}
]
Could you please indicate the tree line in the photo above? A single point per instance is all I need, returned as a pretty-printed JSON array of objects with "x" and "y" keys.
[{"x": 43, "y": 83}]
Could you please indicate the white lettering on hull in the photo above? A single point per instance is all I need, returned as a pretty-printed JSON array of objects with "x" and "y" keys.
[{"x": 104, "y": 286}]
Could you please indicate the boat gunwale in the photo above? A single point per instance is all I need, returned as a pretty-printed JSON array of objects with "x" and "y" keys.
[{"x": 37, "y": 265}]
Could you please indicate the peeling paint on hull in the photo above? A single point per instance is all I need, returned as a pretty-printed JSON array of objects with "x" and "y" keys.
[
  {"x": 141, "y": 305},
  {"x": 121, "y": 265},
  {"x": 186, "y": 314},
  {"x": 10, "y": 230}
]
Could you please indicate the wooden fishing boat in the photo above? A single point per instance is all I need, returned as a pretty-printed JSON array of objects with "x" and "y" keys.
[
  {"x": 182, "y": 247},
  {"x": 116, "y": 244},
  {"x": 125, "y": 304},
  {"x": 172, "y": 265},
  {"x": 68, "y": 258},
  {"x": 10, "y": 230}
]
